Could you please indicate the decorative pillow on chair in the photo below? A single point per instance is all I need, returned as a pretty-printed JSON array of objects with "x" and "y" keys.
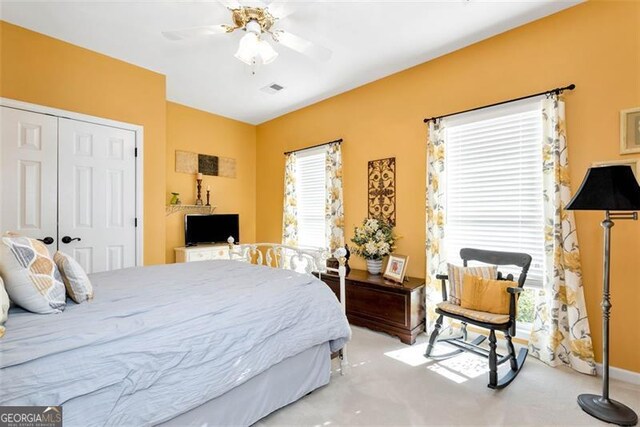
[
  {"x": 4, "y": 307},
  {"x": 487, "y": 295},
  {"x": 31, "y": 278},
  {"x": 74, "y": 277},
  {"x": 456, "y": 276}
]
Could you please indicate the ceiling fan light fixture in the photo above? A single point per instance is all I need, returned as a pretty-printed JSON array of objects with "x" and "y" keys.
[
  {"x": 267, "y": 53},
  {"x": 253, "y": 27},
  {"x": 248, "y": 48}
]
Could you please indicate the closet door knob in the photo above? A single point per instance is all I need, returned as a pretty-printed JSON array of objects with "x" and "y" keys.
[
  {"x": 67, "y": 239},
  {"x": 47, "y": 240}
]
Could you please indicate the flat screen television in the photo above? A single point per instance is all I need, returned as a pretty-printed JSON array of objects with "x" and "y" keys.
[{"x": 211, "y": 228}]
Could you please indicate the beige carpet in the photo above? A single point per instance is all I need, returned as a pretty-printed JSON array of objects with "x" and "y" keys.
[{"x": 392, "y": 384}]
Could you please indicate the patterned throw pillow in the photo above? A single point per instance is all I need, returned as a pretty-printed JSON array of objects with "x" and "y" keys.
[
  {"x": 456, "y": 276},
  {"x": 74, "y": 277},
  {"x": 4, "y": 307},
  {"x": 31, "y": 278}
]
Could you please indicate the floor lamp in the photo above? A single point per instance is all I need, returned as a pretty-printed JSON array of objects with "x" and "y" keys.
[{"x": 608, "y": 188}]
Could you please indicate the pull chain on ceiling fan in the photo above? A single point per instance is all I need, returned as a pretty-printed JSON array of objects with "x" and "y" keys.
[{"x": 256, "y": 22}]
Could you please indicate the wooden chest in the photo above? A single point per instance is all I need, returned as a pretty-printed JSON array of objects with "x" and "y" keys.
[{"x": 382, "y": 305}]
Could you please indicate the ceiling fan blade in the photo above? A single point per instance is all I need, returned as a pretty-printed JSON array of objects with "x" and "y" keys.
[
  {"x": 255, "y": 3},
  {"x": 280, "y": 9},
  {"x": 189, "y": 33},
  {"x": 303, "y": 46},
  {"x": 230, "y": 4}
]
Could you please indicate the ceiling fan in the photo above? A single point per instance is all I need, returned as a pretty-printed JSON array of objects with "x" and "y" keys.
[{"x": 258, "y": 22}]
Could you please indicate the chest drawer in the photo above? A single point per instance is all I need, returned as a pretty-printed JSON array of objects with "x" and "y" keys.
[
  {"x": 220, "y": 253},
  {"x": 199, "y": 256}
]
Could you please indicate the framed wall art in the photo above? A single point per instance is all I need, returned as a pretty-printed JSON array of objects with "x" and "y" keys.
[
  {"x": 192, "y": 163},
  {"x": 630, "y": 131},
  {"x": 382, "y": 190}
]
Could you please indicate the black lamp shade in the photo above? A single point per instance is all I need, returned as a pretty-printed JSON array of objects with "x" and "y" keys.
[{"x": 607, "y": 188}]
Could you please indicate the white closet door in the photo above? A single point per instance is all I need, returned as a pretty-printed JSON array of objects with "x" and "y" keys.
[
  {"x": 28, "y": 171},
  {"x": 97, "y": 200}
]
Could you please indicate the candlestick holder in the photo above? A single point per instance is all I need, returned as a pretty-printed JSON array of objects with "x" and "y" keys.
[
  {"x": 199, "y": 198},
  {"x": 208, "y": 194}
]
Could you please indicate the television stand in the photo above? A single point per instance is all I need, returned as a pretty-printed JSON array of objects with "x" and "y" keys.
[{"x": 202, "y": 252}]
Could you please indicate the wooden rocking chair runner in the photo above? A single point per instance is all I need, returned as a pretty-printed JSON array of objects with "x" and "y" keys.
[{"x": 506, "y": 324}]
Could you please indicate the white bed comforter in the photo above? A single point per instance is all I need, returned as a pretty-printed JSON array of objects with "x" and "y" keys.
[{"x": 158, "y": 341}]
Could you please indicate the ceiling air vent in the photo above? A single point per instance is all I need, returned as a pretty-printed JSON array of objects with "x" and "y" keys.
[{"x": 272, "y": 88}]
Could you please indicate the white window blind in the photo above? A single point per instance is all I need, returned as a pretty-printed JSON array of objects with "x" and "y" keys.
[
  {"x": 310, "y": 189},
  {"x": 494, "y": 185}
]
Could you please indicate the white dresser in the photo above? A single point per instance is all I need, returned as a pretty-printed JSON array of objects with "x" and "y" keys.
[{"x": 202, "y": 253}]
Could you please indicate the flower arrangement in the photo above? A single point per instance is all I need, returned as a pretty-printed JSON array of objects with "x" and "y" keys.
[{"x": 374, "y": 239}]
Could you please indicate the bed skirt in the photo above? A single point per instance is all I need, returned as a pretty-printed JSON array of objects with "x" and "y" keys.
[{"x": 269, "y": 391}]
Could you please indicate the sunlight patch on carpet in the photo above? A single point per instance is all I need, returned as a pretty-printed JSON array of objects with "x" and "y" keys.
[{"x": 412, "y": 356}]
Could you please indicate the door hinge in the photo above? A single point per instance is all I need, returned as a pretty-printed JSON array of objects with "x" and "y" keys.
[
  {"x": 135, "y": 222},
  {"x": 135, "y": 152}
]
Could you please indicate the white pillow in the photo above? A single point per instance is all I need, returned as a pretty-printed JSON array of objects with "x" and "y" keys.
[
  {"x": 4, "y": 307},
  {"x": 74, "y": 277},
  {"x": 31, "y": 278}
]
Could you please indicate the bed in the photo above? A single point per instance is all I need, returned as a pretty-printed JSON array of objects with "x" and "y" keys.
[{"x": 211, "y": 342}]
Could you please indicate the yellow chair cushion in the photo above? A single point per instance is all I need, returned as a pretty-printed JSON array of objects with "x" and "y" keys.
[
  {"x": 486, "y": 295},
  {"x": 481, "y": 316}
]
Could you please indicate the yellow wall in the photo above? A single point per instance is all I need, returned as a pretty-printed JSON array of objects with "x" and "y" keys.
[
  {"x": 594, "y": 45},
  {"x": 194, "y": 130},
  {"x": 41, "y": 70},
  {"x": 45, "y": 71}
]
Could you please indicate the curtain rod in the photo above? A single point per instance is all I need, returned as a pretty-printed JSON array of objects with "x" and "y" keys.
[
  {"x": 557, "y": 91},
  {"x": 337, "y": 141}
]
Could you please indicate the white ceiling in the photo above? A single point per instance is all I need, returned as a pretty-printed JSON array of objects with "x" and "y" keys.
[{"x": 369, "y": 39}]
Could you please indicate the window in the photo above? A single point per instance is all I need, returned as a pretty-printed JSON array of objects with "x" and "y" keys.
[
  {"x": 310, "y": 190},
  {"x": 494, "y": 184}
]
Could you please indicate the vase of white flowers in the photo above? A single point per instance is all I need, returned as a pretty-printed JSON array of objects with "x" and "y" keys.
[{"x": 373, "y": 241}]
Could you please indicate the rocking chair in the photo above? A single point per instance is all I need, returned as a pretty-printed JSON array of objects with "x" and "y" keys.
[{"x": 493, "y": 322}]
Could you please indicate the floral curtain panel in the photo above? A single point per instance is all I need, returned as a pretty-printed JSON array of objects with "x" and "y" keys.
[
  {"x": 334, "y": 212},
  {"x": 436, "y": 261},
  {"x": 560, "y": 334},
  {"x": 290, "y": 211}
]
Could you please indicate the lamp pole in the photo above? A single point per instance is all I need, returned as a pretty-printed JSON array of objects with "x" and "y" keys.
[
  {"x": 602, "y": 407},
  {"x": 606, "y": 304}
]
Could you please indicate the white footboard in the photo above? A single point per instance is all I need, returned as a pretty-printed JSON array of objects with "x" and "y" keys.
[{"x": 298, "y": 259}]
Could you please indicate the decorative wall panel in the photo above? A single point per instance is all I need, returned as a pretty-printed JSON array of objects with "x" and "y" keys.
[
  {"x": 192, "y": 163},
  {"x": 382, "y": 189},
  {"x": 208, "y": 165},
  {"x": 186, "y": 162}
]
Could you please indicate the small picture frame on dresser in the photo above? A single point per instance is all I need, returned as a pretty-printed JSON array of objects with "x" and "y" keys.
[{"x": 396, "y": 268}]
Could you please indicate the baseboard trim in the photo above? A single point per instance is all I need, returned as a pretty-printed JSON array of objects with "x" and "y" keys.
[{"x": 620, "y": 374}]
